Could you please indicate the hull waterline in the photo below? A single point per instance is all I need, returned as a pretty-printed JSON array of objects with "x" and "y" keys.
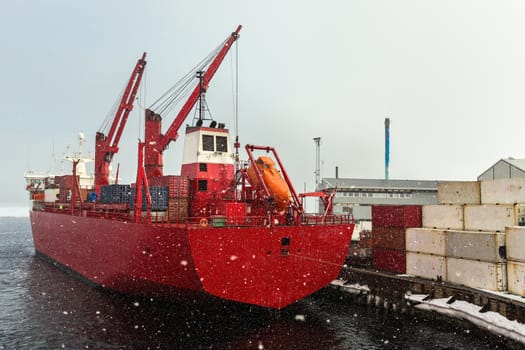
[{"x": 244, "y": 264}]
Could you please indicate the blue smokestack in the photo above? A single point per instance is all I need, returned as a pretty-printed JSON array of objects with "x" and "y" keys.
[{"x": 387, "y": 148}]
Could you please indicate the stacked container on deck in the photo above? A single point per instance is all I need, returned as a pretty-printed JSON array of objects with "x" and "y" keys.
[
  {"x": 65, "y": 185},
  {"x": 177, "y": 195},
  {"x": 115, "y": 194},
  {"x": 159, "y": 202},
  {"x": 389, "y": 223},
  {"x": 169, "y": 197}
]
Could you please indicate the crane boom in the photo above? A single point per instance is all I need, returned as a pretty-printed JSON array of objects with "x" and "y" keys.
[
  {"x": 107, "y": 146},
  {"x": 156, "y": 142},
  {"x": 172, "y": 132}
]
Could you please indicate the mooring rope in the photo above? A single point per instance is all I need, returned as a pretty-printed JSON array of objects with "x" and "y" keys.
[{"x": 316, "y": 260}]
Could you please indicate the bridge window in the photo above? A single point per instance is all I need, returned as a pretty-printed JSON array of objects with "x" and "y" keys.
[
  {"x": 207, "y": 143},
  {"x": 222, "y": 143}
]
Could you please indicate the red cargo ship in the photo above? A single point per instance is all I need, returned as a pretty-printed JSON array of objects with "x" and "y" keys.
[{"x": 223, "y": 228}]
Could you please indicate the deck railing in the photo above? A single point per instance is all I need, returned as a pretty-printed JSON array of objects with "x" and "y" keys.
[{"x": 121, "y": 212}]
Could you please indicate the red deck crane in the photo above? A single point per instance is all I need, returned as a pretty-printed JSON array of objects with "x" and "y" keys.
[
  {"x": 155, "y": 141},
  {"x": 107, "y": 146}
]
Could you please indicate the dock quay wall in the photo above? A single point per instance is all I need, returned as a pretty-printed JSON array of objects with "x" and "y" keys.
[{"x": 390, "y": 290}]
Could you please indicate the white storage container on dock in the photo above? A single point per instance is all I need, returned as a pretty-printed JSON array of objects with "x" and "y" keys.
[
  {"x": 426, "y": 240},
  {"x": 503, "y": 191},
  {"x": 519, "y": 209},
  {"x": 515, "y": 243},
  {"x": 477, "y": 274},
  {"x": 459, "y": 192},
  {"x": 426, "y": 265},
  {"x": 516, "y": 277},
  {"x": 489, "y": 217},
  {"x": 443, "y": 216},
  {"x": 476, "y": 245}
]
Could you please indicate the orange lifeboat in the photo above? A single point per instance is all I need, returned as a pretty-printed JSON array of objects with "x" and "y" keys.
[{"x": 272, "y": 178}]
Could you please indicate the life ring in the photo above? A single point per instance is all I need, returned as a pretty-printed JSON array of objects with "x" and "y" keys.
[{"x": 203, "y": 222}]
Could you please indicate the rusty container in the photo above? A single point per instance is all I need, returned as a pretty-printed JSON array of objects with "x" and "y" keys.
[
  {"x": 365, "y": 239},
  {"x": 389, "y": 237},
  {"x": 177, "y": 209},
  {"x": 390, "y": 260},
  {"x": 397, "y": 216},
  {"x": 178, "y": 186}
]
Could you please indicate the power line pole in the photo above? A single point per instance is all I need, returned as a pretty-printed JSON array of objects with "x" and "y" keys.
[{"x": 317, "y": 172}]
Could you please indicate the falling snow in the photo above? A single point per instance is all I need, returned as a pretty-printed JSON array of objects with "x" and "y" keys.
[{"x": 300, "y": 318}]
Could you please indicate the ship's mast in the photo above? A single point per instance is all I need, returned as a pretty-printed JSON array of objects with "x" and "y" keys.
[{"x": 156, "y": 142}]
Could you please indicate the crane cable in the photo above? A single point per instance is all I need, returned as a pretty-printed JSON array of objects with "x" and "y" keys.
[
  {"x": 161, "y": 100},
  {"x": 171, "y": 98},
  {"x": 104, "y": 127},
  {"x": 174, "y": 95},
  {"x": 174, "y": 98},
  {"x": 314, "y": 259},
  {"x": 142, "y": 102},
  {"x": 236, "y": 90}
]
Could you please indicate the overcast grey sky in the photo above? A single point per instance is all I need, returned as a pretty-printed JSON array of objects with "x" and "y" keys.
[{"x": 448, "y": 73}]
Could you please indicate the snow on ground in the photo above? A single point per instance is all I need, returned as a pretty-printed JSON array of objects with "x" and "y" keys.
[
  {"x": 350, "y": 288},
  {"x": 491, "y": 321}
]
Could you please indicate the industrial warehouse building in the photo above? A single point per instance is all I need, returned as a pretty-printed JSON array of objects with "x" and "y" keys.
[{"x": 355, "y": 196}]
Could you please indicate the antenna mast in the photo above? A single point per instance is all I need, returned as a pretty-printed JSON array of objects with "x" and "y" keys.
[{"x": 317, "y": 172}]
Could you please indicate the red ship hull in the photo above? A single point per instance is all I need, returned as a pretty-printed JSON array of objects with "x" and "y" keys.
[{"x": 251, "y": 265}]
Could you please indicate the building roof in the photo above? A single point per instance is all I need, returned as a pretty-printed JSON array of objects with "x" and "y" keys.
[
  {"x": 518, "y": 163},
  {"x": 514, "y": 162},
  {"x": 379, "y": 184}
]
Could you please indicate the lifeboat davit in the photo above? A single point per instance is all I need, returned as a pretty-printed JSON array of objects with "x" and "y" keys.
[{"x": 273, "y": 179}]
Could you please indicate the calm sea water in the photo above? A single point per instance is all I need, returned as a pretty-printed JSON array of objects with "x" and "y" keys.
[{"x": 41, "y": 307}]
